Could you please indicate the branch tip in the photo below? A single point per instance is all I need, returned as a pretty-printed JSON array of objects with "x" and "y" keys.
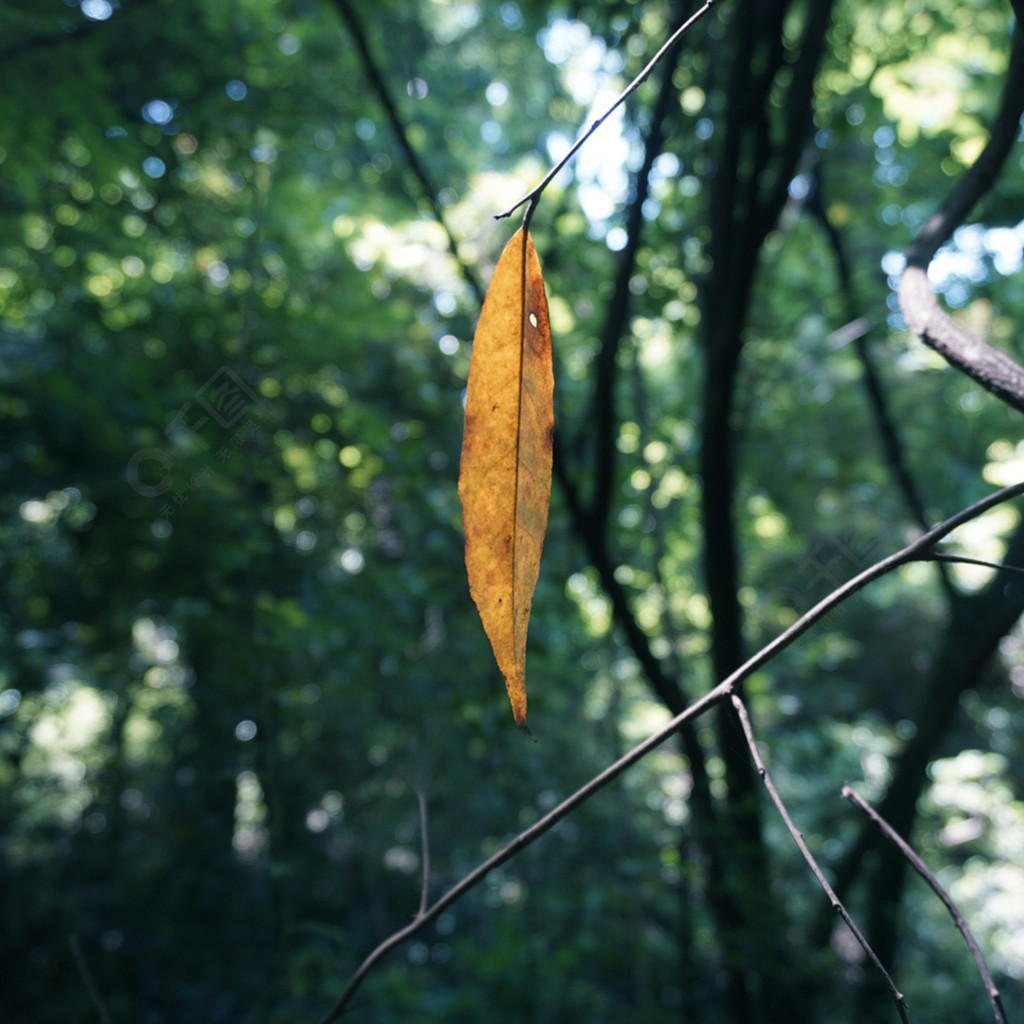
[
  {"x": 926, "y": 873},
  {"x": 534, "y": 194}
]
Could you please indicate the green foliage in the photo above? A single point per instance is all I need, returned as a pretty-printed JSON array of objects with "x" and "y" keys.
[{"x": 237, "y": 636}]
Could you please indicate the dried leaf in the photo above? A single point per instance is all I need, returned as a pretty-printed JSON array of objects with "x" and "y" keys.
[{"x": 505, "y": 476}]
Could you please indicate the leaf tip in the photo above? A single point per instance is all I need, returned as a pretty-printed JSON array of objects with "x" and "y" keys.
[{"x": 525, "y": 729}]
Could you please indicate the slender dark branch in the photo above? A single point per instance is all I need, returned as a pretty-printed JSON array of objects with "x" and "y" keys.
[
  {"x": 798, "y": 838},
  {"x": 617, "y": 317},
  {"x": 891, "y": 444},
  {"x": 665, "y": 687},
  {"x": 521, "y": 841},
  {"x": 922, "y": 869},
  {"x": 416, "y": 165},
  {"x": 712, "y": 697},
  {"x": 90, "y": 985},
  {"x": 421, "y": 800},
  {"x": 991, "y": 368},
  {"x": 535, "y": 192},
  {"x": 86, "y": 27},
  {"x": 911, "y": 553},
  {"x": 799, "y": 109},
  {"x": 963, "y": 560},
  {"x": 981, "y": 176}
]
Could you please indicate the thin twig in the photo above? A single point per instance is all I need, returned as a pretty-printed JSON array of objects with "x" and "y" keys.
[
  {"x": 724, "y": 689},
  {"x": 82, "y": 30},
  {"x": 535, "y": 192},
  {"x": 892, "y": 444},
  {"x": 933, "y": 556},
  {"x": 520, "y": 842},
  {"x": 90, "y": 985},
  {"x": 911, "y": 553},
  {"x": 748, "y": 732},
  {"x": 424, "y": 852},
  {"x": 923, "y": 870},
  {"x": 603, "y": 421}
]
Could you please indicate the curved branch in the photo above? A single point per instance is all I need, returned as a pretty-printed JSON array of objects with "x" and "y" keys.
[
  {"x": 922, "y": 869},
  {"x": 801, "y": 844},
  {"x": 534, "y": 194},
  {"x": 617, "y": 319},
  {"x": 888, "y": 432},
  {"x": 724, "y": 689},
  {"x": 419, "y": 171},
  {"x": 520, "y": 842},
  {"x": 992, "y": 369},
  {"x": 82, "y": 30}
]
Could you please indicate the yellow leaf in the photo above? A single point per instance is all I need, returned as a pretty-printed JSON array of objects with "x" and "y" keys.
[{"x": 505, "y": 476}]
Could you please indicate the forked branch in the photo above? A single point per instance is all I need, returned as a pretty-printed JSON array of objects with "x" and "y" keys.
[{"x": 918, "y": 549}]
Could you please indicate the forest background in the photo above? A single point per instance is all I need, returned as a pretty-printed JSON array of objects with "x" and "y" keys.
[{"x": 243, "y": 248}]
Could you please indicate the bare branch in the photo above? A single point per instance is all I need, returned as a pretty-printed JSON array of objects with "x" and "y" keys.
[
  {"x": 892, "y": 444},
  {"x": 993, "y": 369},
  {"x": 748, "y": 732},
  {"x": 83, "y": 970},
  {"x": 964, "y": 560},
  {"x": 724, "y": 689},
  {"x": 534, "y": 194},
  {"x": 911, "y": 553},
  {"x": 416, "y": 165},
  {"x": 521, "y": 841},
  {"x": 922, "y": 869},
  {"x": 424, "y": 852},
  {"x": 82, "y": 30}
]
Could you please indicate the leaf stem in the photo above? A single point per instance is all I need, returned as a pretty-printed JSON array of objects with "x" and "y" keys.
[{"x": 533, "y": 195}]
